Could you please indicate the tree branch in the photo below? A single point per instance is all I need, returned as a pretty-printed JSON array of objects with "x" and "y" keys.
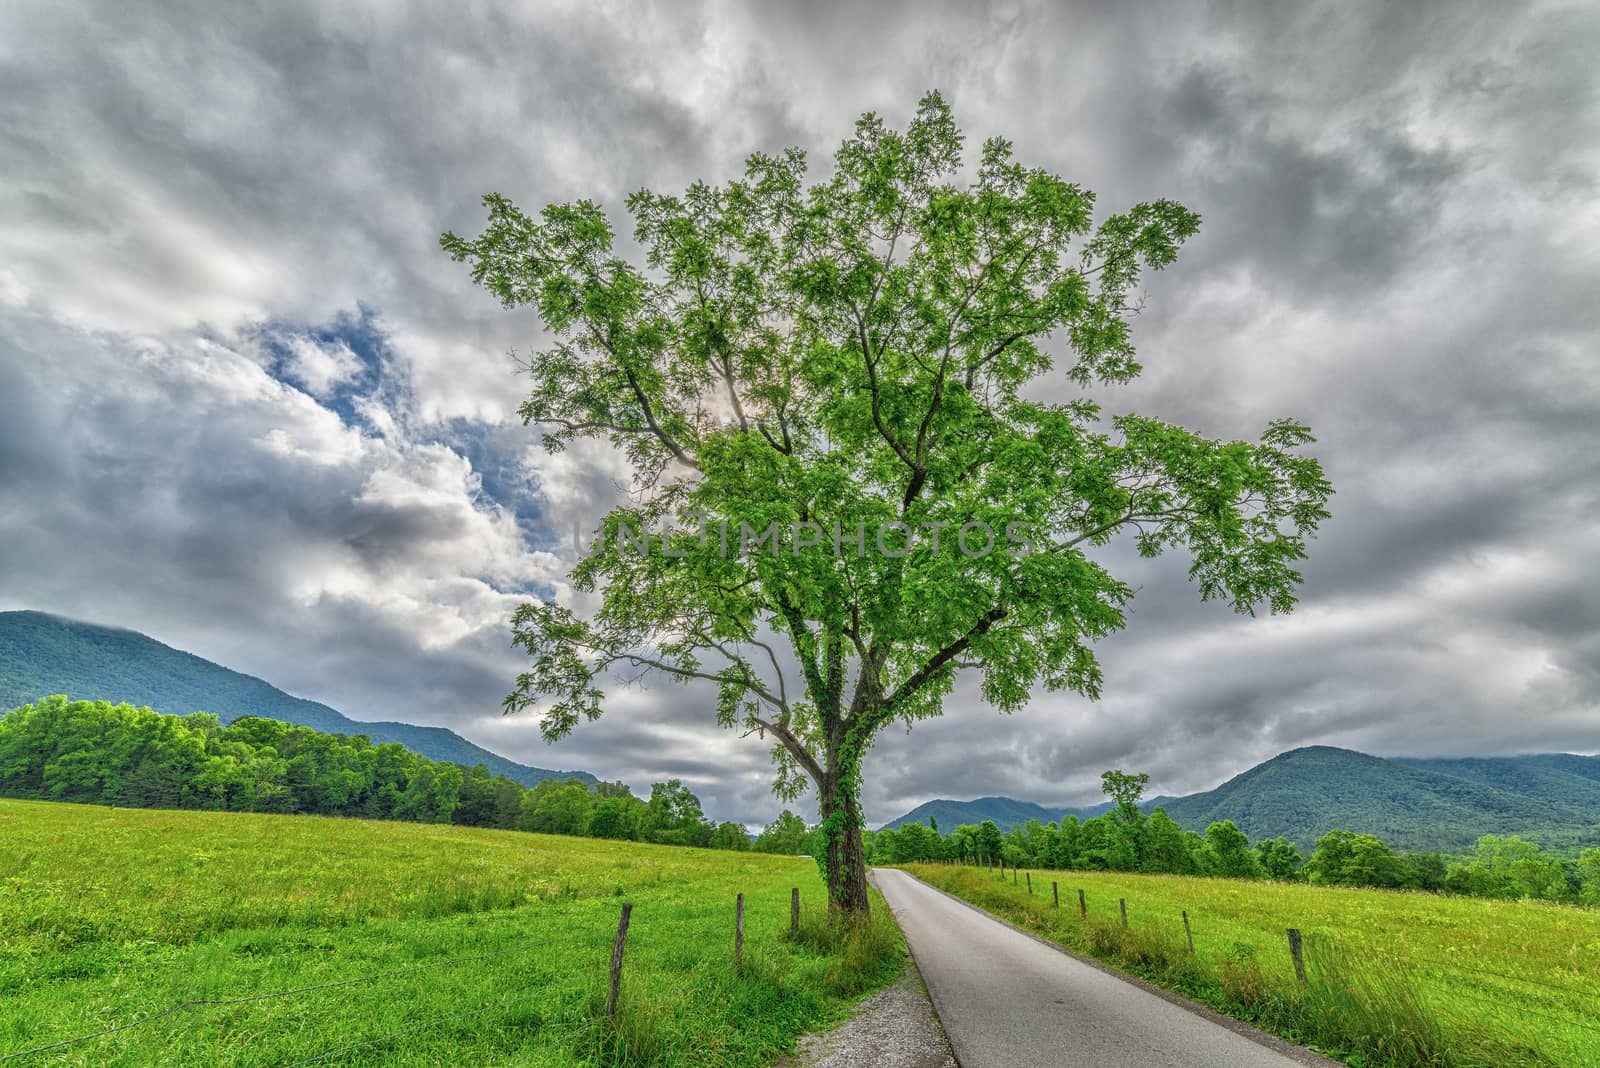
[
  {"x": 750, "y": 683},
  {"x": 796, "y": 747},
  {"x": 877, "y": 398},
  {"x": 644, "y": 403}
]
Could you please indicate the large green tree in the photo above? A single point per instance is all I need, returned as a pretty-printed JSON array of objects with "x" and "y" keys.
[{"x": 860, "y": 365}]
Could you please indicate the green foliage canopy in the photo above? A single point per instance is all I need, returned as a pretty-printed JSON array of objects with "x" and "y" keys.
[{"x": 842, "y": 358}]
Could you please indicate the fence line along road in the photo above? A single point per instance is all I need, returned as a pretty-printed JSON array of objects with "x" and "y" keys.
[
  {"x": 614, "y": 971},
  {"x": 1296, "y": 959}
]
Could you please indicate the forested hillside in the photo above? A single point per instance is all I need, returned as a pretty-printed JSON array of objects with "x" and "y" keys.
[
  {"x": 1413, "y": 804},
  {"x": 42, "y": 654},
  {"x": 1559, "y": 778}
]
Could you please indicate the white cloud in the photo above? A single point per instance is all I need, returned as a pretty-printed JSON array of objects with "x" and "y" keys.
[{"x": 321, "y": 366}]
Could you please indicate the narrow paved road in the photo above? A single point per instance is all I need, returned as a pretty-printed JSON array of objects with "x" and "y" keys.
[{"x": 1007, "y": 1001}]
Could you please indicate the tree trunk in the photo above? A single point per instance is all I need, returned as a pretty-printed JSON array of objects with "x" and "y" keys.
[{"x": 847, "y": 861}]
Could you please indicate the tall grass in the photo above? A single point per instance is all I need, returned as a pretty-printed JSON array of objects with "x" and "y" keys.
[
  {"x": 761, "y": 993},
  {"x": 110, "y": 915},
  {"x": 863, "y": 954},
  {"x": 1373, "y": 998}
]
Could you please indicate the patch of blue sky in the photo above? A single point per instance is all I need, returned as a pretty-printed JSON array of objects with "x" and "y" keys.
[
  {"x": 504, "y": 478},
  {"x": 344, "y": 363},
  {"x": 349, "y": 367}
]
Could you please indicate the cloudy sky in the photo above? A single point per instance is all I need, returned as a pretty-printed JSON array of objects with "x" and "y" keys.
[{"x": 248, "y": 407}]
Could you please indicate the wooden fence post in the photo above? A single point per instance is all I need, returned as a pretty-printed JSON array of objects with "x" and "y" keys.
[
  {"x": 1123, "y": 903},
  {"x": 616, "y": 959},
  {"x": 1055, "y": 893},
  {"x": 1083, "y": 906},
  {"x": 1294, "y": 951},
  {"x": 738, "y": 931},
  {"x": 1186, "y": 932},
  {"x": 1030, "y": 882},
  {"x": 794, "y": 910},
  {"x": 1013, "y": 875}
]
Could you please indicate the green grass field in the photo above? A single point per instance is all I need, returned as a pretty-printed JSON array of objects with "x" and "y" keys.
[
  {"x": 110, "y": 915},
  {"x": 1396, "y": 978}
]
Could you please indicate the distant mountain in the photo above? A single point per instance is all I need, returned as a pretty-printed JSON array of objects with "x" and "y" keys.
[
  {"x": 1005, "y": 812},
  {"x": 952, "y": 814},
  {"x": 42, "y": 654},
  {"x": 1412, "y": 803}
]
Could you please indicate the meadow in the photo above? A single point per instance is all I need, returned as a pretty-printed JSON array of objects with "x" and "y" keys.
[
  {"x": 112, "y": 915},
  {"x": 1395, "y": 978}
]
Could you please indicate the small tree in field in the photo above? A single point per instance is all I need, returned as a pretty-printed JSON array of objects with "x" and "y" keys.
[
  {"x": 842, "y": 468},
  {"x": 1125, "y": 790}
]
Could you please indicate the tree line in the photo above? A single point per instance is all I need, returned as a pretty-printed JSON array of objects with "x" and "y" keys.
[
  {"x": 94, "y": 752},
  {"x": 1125, "y": 838}
]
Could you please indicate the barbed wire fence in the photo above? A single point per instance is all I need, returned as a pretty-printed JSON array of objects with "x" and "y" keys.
[
  {"x": 1580, "y": 1009},
  {"x": 609, "y": 951}
]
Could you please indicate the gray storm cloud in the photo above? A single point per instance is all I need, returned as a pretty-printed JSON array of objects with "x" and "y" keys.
[{"x": 1400, "y": 247}]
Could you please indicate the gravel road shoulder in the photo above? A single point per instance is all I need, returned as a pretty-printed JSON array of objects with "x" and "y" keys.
[{"x": 894, "y": 1028}]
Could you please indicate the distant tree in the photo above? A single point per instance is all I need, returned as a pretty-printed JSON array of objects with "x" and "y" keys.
[
  {"x": 1015, "y": 846},
  {"x": 616, "y": 816},
  {"x": 1344, "y": 858},
  {"x": 989, "y": 841},
  {"x": 1067, "y": 844},
  {"x": 730, "y": 835},
  {"x": 507, "y": 801},
  {"x": 1589, "y": 875},
  {"x": 787, "y": 834},
  {"x": 1162, "y": 847},
  {"x": 1511, "y": 867},
  {"x": 431, "y": 794},
  {"x": 1044, "y": 843},
  {"x": 859, "y": 354},
  {"x": 1227, "y": 853},
  {"x": 154, "y": 782},
  {"x": 1125, "y": 790},
  {"x": 476, "y": 807},
  {"x": 1106, "y": 843},
  {"x": 612, "y": 789},
  {"x": 673, "y": 815},
  {"x": 1425, "y": 871},
  {"x": 1280, "y": 858},
  {"x": 561, "y": 808},
  {"x": 963, "y": 843},
  {"x": 911, "y": 843}
]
